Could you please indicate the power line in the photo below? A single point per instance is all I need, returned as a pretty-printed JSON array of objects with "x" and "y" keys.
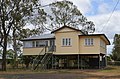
[{"x": 110, "y": 16}]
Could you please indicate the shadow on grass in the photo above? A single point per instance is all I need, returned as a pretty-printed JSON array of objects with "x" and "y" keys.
[{"x": 110, "y": 68}]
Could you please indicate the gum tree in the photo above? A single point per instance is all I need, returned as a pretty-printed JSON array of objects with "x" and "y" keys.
[
  {"x": 12, "y": 14},
  {"x": 66, "y": 13}
]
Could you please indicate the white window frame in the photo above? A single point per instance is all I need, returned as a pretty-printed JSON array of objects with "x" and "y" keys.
[
  {"x": 41, "y": 43},
  {"x": 38, "y": 43},
  {"x": 89, "y": 42},
  {"x": 102, "y": 44},
  {"x": 33, "y": 43},
  {"x": 27, "y": 44},
  {"x": 66, "y": 42}
]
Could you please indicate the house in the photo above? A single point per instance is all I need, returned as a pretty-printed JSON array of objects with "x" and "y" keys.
[{"x": 68, "y": 47}]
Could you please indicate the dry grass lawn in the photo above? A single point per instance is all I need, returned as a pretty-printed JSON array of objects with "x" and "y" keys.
[{"x": 111, "y": 72}]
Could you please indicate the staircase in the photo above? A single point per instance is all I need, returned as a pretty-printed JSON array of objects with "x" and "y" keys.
[{"x": 44, "y": 60}]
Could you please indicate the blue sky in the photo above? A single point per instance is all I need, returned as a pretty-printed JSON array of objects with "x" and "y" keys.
[
  {"x": 99, "y": 12},
  {"x": 102, "y": 6}
]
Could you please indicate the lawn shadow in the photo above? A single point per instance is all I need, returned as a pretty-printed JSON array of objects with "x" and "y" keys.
[{"x": 109, "y": 68}]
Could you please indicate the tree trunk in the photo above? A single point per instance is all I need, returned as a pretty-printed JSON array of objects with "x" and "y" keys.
[
  {"x": 4, "y": 53},
  {"x": 15, "y": 55},
  {"x": 27, "y": 61},
  {"x": 15, "y": 49}
]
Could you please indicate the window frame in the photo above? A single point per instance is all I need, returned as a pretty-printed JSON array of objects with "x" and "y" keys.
[
  {"x": 88, "y": 41},
  {"x": 41, "y": 43},
  {"x": 102, "y": 44},
  {"x": 66, "y": 42}
]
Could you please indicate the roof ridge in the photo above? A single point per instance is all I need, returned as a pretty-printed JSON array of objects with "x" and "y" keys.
[{"x": 68, "y": 27}]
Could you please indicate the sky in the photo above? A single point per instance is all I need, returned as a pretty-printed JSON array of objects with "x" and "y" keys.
[{"x": 101, "y": 13}]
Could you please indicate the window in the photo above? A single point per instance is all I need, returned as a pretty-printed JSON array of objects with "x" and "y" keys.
[
  {"x": 37, "y": 43},
  {"x": 66, "y": 42},
  {"x": 34, "y": 43},
  {"x": 91, "y": 41},
  {"x": 41, "y": 43},
  {"x": 102, "y": 43},
  {"x": 27, "y": 44},
  {"x": 63, "y": 41},
  {"x": 88, "y": 41}
]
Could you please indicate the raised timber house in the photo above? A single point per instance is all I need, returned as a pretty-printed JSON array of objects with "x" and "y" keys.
[{"x": 67, "y": 47}]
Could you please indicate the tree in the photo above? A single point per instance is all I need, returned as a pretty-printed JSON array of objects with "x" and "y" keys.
[
  {"x": 16, "y": 37},
  {"x": 116, "y": 49},
  {"x": 20, "y": 33},
  {"x": 39, "y": 21},
  {"x": 9, "y": 54},
  {"x": 12, "y": 12},
  {"x": 65, "y": 13}
]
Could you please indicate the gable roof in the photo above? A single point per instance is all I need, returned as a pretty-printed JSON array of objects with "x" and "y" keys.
[
  {"x": 98, "y": 35},
  {"x": 67, "y": 27},
  {"x": 40, "y": 37}
]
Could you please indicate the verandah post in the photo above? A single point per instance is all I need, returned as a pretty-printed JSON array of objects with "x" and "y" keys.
[
  {"x": 52, "y": 61},
  {"x": 99, "y": 61},
  {"x": 78, "y": 61},
  {"x": 81, "y": 62},
  {"x": 105, "y": 61}
]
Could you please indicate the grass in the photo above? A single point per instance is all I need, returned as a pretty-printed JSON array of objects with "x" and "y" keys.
[{"x": 111, "y": 72}]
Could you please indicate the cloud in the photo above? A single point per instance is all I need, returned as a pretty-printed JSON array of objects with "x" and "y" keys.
[
  {"x": 103, "y": 8},
  {"x": 45, "y": 2},
  {"x": 83, "y": 5},
  {"x": 102, "y": 24},
  {"x": 110, "y": 47},
  {"x": 110, "y": 29}
]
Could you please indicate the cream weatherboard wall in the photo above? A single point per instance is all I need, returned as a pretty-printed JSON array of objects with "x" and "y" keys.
[
  {"x": 94, "y": 49},
  {"x": 103, "y": 49},
  {"x": 33, "y": 51},
  {"x": 67, "y": 33}
]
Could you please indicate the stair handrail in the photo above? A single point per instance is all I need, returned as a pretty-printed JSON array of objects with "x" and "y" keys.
[
  {"x": 40, "y": 61},
  {"x": 51, "y": 47},
  {"x": 46, "y": 53},
  {"x": 44, "y": 57},
  {"x": 39, "y": 53},
  {"x": 46, "y": 61},
  {"x": 49, "y": 57},
  {"x": 38, "y": 56}
]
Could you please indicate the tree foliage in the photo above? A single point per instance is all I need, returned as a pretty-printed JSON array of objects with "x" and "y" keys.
[
  {"x": 38, "y": 19},
  {"x": 13, "y": 15},
  {"x": 116, "y": 49},
  {"x": 66, "y": 13}
]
